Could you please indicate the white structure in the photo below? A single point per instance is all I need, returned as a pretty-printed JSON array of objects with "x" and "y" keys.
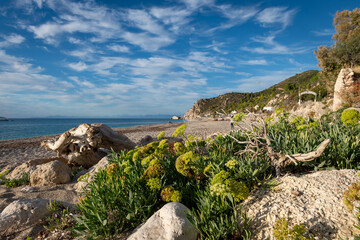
[
  {"x": 307, "y": 92},
  {"x": 269, "y": 109}
]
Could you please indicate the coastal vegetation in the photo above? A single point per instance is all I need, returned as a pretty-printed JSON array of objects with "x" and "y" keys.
[{"x": 208, "y": 177}]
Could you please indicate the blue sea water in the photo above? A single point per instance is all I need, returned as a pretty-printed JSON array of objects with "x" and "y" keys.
[{"x": 33, "y": 127}]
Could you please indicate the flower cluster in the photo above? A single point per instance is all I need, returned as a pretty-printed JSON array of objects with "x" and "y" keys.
[
  {"x": 179, "y": 131},
  {"x": 179, "y": 148},
  {"x": 238, "y": 190},
  {"x": 154, "y": 170},
  {"x": 298, "y": 120},
  {"x": 162, "y": 148},
  {"x": 112, "y": 168},
  {"x": 169, "y": 194},
  {"x": 154, "y": 183},
  {"x": 350, "y": 117},
  {"x": 161, "y": 135},
  {"x": 219, "y": 189},
  {"x": 220, "y": 177},
  {"x": 223, "y": 184},
  {"x": 231, "y": 164},
  {"x": 182, "y": 163}
]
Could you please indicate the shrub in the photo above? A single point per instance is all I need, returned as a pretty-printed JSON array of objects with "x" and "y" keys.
[
  {"x": 217, "y": 217},
  {"x": 351, "y": 197},
  {"x": 282, "y": 231},
  {"x": 350, "y": 117},
  {"x": 25, "y": 179}
]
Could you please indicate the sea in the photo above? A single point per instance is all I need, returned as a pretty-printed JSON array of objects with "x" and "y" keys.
[{"x": 33, "y": 127}]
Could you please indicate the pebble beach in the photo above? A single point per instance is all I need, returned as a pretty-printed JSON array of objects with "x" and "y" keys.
[{"x": 17, "y": 151}]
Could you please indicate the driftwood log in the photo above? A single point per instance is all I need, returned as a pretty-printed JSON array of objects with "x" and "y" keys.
[
  {"x": 259, "y": 141},
  {"x": 85, "y": 144}
]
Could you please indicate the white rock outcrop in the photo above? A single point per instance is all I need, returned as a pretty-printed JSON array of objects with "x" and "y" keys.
[
  {"x": 169, "y": 223},
  {"x": 22, "y": 213},
  {"x": 31, "y": 165},
  {"x": 52, "y": 173},
  {"x": 344, "y": 82},
  {"x": 89, "y": 175},
  {"x": 313, "y": 199}
]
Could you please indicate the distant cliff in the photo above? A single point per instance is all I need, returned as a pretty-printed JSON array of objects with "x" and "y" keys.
[{"x": 284, "y": 94}]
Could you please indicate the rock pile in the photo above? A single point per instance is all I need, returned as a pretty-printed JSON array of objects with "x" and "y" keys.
[{"x": 313, "y": 199}]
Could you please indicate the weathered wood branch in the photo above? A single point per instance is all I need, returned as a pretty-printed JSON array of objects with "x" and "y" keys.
[
  {"x": 82, "y": 145},
  {"x": 255, "y": 146}
]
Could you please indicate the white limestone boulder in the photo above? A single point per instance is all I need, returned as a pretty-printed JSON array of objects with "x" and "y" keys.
[
  {"x": 169, "y": 223},
  {"x": 87, "y": 176},
  {"x": 52, "y": 173},
  {"x": 344, "y": 82},
  {"x": 31, "y": 165},
  {"x": 22, "y": 213}
]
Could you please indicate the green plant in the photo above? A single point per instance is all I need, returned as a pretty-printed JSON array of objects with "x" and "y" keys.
[
  {"x": 282, "y": 231},
  {"x": 61, "y": 217},
  {"x": 25, "y": 179},
  {"x": 350, "y": 117},
  {"x": 351, "y": 196},
  {"x": 217, "y": 217}
]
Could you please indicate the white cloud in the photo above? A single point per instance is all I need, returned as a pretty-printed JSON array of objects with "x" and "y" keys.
[
  {"x": 254, "y": 62},
  {"x": 273, "y": 47},
  {"x": 144, "y": 21},
  {"x": 77, "y": 17},
  {"x": 324, "y": 32},
  {"x": 195, "y": 4},
  {"x": 10, "y": 63},
  {"x": 148, "y": 42},
  {"x": 258, "y": 83},
  {"x": 12, "y": 39},
  {"x": 275, "y": 15},
  {"x": 119, "y": 48},
  {"x": 79, "y": 66},
  {"x": 175, "y": 17},
  {"x": 236, "y": 16},
  {"x": 243, "y": 74}
]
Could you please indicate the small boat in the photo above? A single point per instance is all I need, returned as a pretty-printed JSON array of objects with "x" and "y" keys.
[{"x": 3, "y": 119}]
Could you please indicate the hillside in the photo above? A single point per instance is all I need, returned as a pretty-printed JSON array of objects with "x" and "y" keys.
[{"x": 284, "y": 94}]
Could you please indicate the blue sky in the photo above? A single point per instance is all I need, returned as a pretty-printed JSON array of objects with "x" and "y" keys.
[{"x": 116, "y": 58}]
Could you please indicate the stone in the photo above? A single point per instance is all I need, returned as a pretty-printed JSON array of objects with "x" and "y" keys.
[
  {"x": 146, "y": 140},
  {"x": 89, "y": 175},
  {"x": 344, "y": 82},
  {"x": 31, "y": 165},
  {"x": 52, "y": 173},
  {"x": 318, "y": 205},
  {"x": 22, "y": 213},
  {"x": 168, "y": 223}
]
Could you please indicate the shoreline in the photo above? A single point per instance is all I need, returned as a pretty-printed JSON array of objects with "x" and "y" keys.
[{"x": 14, "y": 152}]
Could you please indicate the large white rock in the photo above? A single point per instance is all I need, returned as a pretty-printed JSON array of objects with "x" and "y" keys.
[
  {"x": 21, "y": 213},
  {"x": 89, "y": 174},
  {"x": 344, "y": 82},
  {"x": 51, "y": 173},
  {"x": 31, "y": 165},
  {"x": 169, "y": 223}
]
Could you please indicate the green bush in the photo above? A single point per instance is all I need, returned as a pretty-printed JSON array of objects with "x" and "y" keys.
[
  {"x": 25, "y": 179},
  {"x": 282, "y": 231},
  {"x": 350, "y": 117},
  {"x": 137, "y": 183}
]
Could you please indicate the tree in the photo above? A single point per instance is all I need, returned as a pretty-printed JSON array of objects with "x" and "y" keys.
[
  {"x": 347, "y": 24},
  {"x": 346, "y": 50}
]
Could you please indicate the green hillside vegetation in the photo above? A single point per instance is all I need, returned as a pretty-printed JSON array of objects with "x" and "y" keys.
[{"x": 308, "y": 80}]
